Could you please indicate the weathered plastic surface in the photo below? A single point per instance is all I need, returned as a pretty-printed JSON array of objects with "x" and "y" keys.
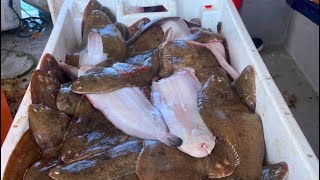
[{"x": 283, "y": 136}]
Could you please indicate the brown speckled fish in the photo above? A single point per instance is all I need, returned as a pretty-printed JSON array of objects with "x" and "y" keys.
[
  {"x": 96, "y": 19},
  {"x": 50, "y": 64},
  {"x": 102, "y": 80},
  {"x": 277, "y": 171},
  {"x": 245, "y": 86},
  {"x": 44, "y": 89},
  {"x": 180, "y": 54},
  {"x": 90, "y": 133},
  {"x": 40, "y": 169},
  {"x": 95, "y": 5},
  {"x": 48, "y": 127},
  {"x": 116, "y": 163},
  {"x": 229, "y": 119},
  {"x": 66, "y": 99}
]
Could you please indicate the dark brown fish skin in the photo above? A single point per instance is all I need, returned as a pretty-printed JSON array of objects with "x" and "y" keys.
[
  {"x": 89, "y": 134},
  {"x": 95, "y": 5},
  {"x": 44, "y": 89},
  {"x": 50, "y": 64},
  {"x": 25, "y": 154},
  {"x": 202, "y": 36},
  {"x": 181, "y": 54},
  {"x": 150, "y": 39},
  {"x": 223, "y": 160},
  {"x": 48, "y": 127},
  {"x": 145, "y": 27},
  {"x": 115, "y": 163},
  {"x": 66, "y": 99},
  {"x": 70, "y": 71},
  {"x": 96, "y": 19},
  {"x": 209, "y": 71},
  {"x": 40, "y": 170},
  {"x": 138, "y": 25},
  {"x": 196, "y": 22},
  {"x": 123, "y": 29},
  {"x": 113, "y": 42},
  {"x": 229, "y": 119},
  {"x": 277, "y": 171},
  {"x": 159, "y": 161},
  {"x": 72, "y": 59},
  {"x": 103, "y": 80},
  {"x": 82, "y": 146},
  {"x": 85, "y": 119},
  {"x": 245, "y": 86}
]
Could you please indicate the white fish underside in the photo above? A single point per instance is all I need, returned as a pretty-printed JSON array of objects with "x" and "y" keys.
[
  {"x": 130, "y": 111},
  {"x": 176, "y": 98}
]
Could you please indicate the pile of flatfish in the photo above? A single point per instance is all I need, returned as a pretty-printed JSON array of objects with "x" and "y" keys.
[{"x": 155, "y": 100}]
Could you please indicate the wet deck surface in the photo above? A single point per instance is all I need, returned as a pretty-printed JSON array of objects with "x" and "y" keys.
[
  {"x": 298, "y": 92},
  {"x": 15, "y": 88}
]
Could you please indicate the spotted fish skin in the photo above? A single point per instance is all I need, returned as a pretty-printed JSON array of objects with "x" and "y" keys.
[
  {"x": 277, "y": 171},
  {"x": 229, "y": 119}
]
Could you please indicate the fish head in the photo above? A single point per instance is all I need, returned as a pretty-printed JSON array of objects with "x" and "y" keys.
[{"x": 200, "y": 144}]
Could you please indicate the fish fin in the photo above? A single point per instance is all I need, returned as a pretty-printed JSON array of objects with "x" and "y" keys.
[
  {"x": 94, "y": 53},
  {"x": 219, "y": 27},
  {"x": 277, "y": 171},
  {"x": 95, "y": 45},
  {"x": 171, "y": 140},
  {"x": 166, "y": 38},
  {"x": 223, "y": 160},
  {"x": 71, "y": 71}
]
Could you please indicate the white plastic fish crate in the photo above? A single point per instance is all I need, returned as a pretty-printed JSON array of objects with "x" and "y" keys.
[{"x": 283, "y": 137}]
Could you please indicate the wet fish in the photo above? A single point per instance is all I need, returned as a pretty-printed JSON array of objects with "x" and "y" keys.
[
  {"x": 229, "y": 119},
  {"x": 131, "y": 112},
  {"x": 44, "y": 89},
  {"x": 102, "y": 80},
  {"x": 217, "y": 49},
  {"x": 92, "y": 6},
  {"x": 95, "y": 19},
  {"x": 245, "y": 86},
  {"x": 136, "y": 26},
  {"x": 176, "y": 98},
  {"x": 180, "y": 30},
  {"x": 50, "y": 64},
  {"x": 181, "y": 54},
  {"x": 72, "y": 58},
  {"x": 161, "y": 162},
  {"x": 89, "y": 134},
  {"x": 147, "y": 26},
  {"x": 48, "y": 127},
  {"x": 150, "y": 39},
  {"x": 66, "y": 99},
  {"x": 71, "y": 71},
  {"x": 158, "y": 161},
  {"x": 113, "y": 42},
  {"x": 116, "y": 163},
  {"x": 40, "y": 170},
  {"x": 82, "y": 146},
  {"x": 277, "y": 171},
  {"x": 93, "y": 55}
]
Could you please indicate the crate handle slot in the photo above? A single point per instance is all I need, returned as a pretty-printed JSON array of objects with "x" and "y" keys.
[{"x": 130, "y": 11}]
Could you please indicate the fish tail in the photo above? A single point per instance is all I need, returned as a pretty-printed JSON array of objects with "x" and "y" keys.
[
  {"x": 275, "y": 172},
  {"x": 171, "y": 140}
]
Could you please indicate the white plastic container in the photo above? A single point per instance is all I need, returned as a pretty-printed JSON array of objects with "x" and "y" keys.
[
  {"x": 283, "y": 137},
  {"x": 9, "y": 19}
]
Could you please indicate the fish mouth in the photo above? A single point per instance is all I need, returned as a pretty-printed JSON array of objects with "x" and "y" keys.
[{"x": 205, "y": 148}]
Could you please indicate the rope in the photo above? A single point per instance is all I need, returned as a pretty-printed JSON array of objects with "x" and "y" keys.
[{"x": 30, "y": 25}]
